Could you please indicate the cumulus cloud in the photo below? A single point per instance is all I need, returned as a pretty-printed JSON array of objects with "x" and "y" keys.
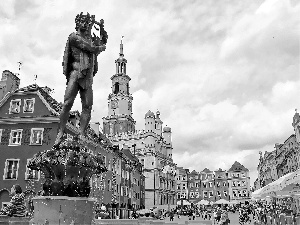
[{"x": 224, "y": 75}]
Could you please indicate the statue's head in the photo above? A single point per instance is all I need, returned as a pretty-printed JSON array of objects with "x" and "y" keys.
[{"x": 84, "y": 22}]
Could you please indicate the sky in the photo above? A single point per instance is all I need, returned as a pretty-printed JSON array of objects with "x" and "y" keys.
[{"x": 223, "y": 74}]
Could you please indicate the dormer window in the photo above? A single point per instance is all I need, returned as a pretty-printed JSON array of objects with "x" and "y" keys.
[
  {"x": 15, "y": 106},
  {"x": 28, "y": 105}
]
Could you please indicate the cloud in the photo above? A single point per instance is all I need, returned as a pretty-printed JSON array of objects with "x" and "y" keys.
[{"x": 224, "y": 75}]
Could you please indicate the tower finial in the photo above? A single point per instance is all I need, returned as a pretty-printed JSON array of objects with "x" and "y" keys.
[
  {"x": 121, "y": 47},
  {"x": 295, "y": 110},
  {"x": 20, "y": 64}
]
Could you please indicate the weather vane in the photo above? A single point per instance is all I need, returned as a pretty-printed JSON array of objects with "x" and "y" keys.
[
  {"x": 20, "y": 64},
  {"x": 35, "y": 78}
]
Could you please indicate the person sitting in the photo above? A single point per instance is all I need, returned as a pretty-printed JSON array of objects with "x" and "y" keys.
[{"x": 16, "y": 207}]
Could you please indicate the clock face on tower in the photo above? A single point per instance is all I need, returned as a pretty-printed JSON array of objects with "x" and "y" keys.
[{"x": 114, "y": 104}]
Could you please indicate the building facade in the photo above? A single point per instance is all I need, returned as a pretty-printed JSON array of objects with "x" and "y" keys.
[
  {"x": 182, "y": 190},
  {"x": 285, "y": 158},
  {"x": 221, "y": 185},
  {"x": 207, "y": 185},
  {"x": 194, "y": 186},
  {"x": 152, "y": 146},
  {"x": 29, "y": 119},
  {"x": 232, "y": 184},
  {"x": 239, "y": 183}
]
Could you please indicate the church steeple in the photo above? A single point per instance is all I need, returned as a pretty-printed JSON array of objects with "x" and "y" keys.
[
  {"x": 119, "y": 117},
  {"x": 121, "y": 61}
]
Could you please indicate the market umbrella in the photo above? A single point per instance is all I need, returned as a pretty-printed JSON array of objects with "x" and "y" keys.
[
  {"x": 221, "y": 201},
  {"x": 184, "y": 202},
  {"x": 203, "y": 202},
  {"x": 233, "y": 202}
]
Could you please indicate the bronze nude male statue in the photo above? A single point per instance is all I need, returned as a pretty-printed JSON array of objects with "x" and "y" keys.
[{"x": 80, "y": 66}]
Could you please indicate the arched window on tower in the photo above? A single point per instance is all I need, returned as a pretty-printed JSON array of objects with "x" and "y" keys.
[
  {"x": 116, "y": 90},
  {"x": 127, "y": 85}
]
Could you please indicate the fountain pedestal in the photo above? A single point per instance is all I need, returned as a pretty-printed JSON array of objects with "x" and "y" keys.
[
  {"x": 54, "y": 210},
  {"x": 66, "y": 186}
]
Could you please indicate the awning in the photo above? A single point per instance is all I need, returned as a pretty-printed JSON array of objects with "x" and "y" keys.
[
  {"x": 184, "y": 202},
  {"x": 274, "y": 188},
  {"x": 221, "y": 201},
  {"x": 203, "y": 202}
]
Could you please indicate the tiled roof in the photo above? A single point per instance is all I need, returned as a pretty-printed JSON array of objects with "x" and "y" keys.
[
  {"x": 206, "y": 171},
  {"x": 237, "y": 166},
  {"x": 55, "y": 105}
]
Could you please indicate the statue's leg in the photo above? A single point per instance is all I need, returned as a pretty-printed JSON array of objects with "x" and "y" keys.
[
  {"x": 70, "y": 95},
  {"x": 86, "y": 96}
]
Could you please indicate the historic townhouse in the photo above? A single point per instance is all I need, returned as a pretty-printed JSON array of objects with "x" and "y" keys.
[
  {"x": 232, "y": 184},
  {"x": 152, "y": 146},
  {"x": 207, "y": 184},
  {"x": 194, "y": 186},
  {"x": 182, "y": 183},
  {"x": 285, "y": 158},
  {"x": 221, "y": 185},
  {"x": 29, "y": 120},
  {"x": 239, "y": 182}
]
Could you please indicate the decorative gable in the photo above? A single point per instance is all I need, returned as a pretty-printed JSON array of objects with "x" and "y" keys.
[{"x": 31, "y": 101}]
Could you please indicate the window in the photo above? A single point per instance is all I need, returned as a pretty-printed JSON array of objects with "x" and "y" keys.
[
  {"x": 234, "y": 193},
  {"x": 183, "y": 186},
  {"x": 243, "y": 183},
  {"x": 0, "y": 134},
  {"x": 196, "y": 184},
  {"x": 191, "y": 185},
  {"x": 219, "y": 193},
  {"x": 204, "y": 185},
  {"x": 178, "y": 196},
  {"x": 104, "y": 160},
  {"x": 28, "y": 105},
  {"x": 197, "y": 195},
  {"x": 15, "y": 137},
  {"x": 233, "y": 184},
  {"x": 178, "y": 186},
  {"x": 192, "y": 194},
  {"x": 243, "y": 175},
  {"x": 218, "y": 184},
  {"x": 204, "y": 194},
  {"x": 4, "y": 204},
  {"x": 15, "y": 106},
  {"x": 225, "y": 193},
  {"x": 31, "y": 174},
  {"x": 210, "y": 184},
  {"x": 108, "y": 185},
  {"x": 211, "y": 194},
  {"x": 36, "y": 137},
  {"x": 224, "y": 184},
  {"x": 109, "y": 167},
  {"x": 11, "y": 169}
]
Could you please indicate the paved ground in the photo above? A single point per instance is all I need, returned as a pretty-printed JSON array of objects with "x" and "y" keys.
[{"x": 234, "y": 220}]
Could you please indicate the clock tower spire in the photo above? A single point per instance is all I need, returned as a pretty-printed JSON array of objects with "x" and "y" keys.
[{"x": 119, "y": 117}]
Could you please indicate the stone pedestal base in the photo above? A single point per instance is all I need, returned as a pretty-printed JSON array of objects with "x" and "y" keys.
[{"x": 63, "y": 210}]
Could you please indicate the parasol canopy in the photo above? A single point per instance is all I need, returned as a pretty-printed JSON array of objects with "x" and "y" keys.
[
  {"x": 221, "y": 201},
  {"x": 203, "y": 202}
]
